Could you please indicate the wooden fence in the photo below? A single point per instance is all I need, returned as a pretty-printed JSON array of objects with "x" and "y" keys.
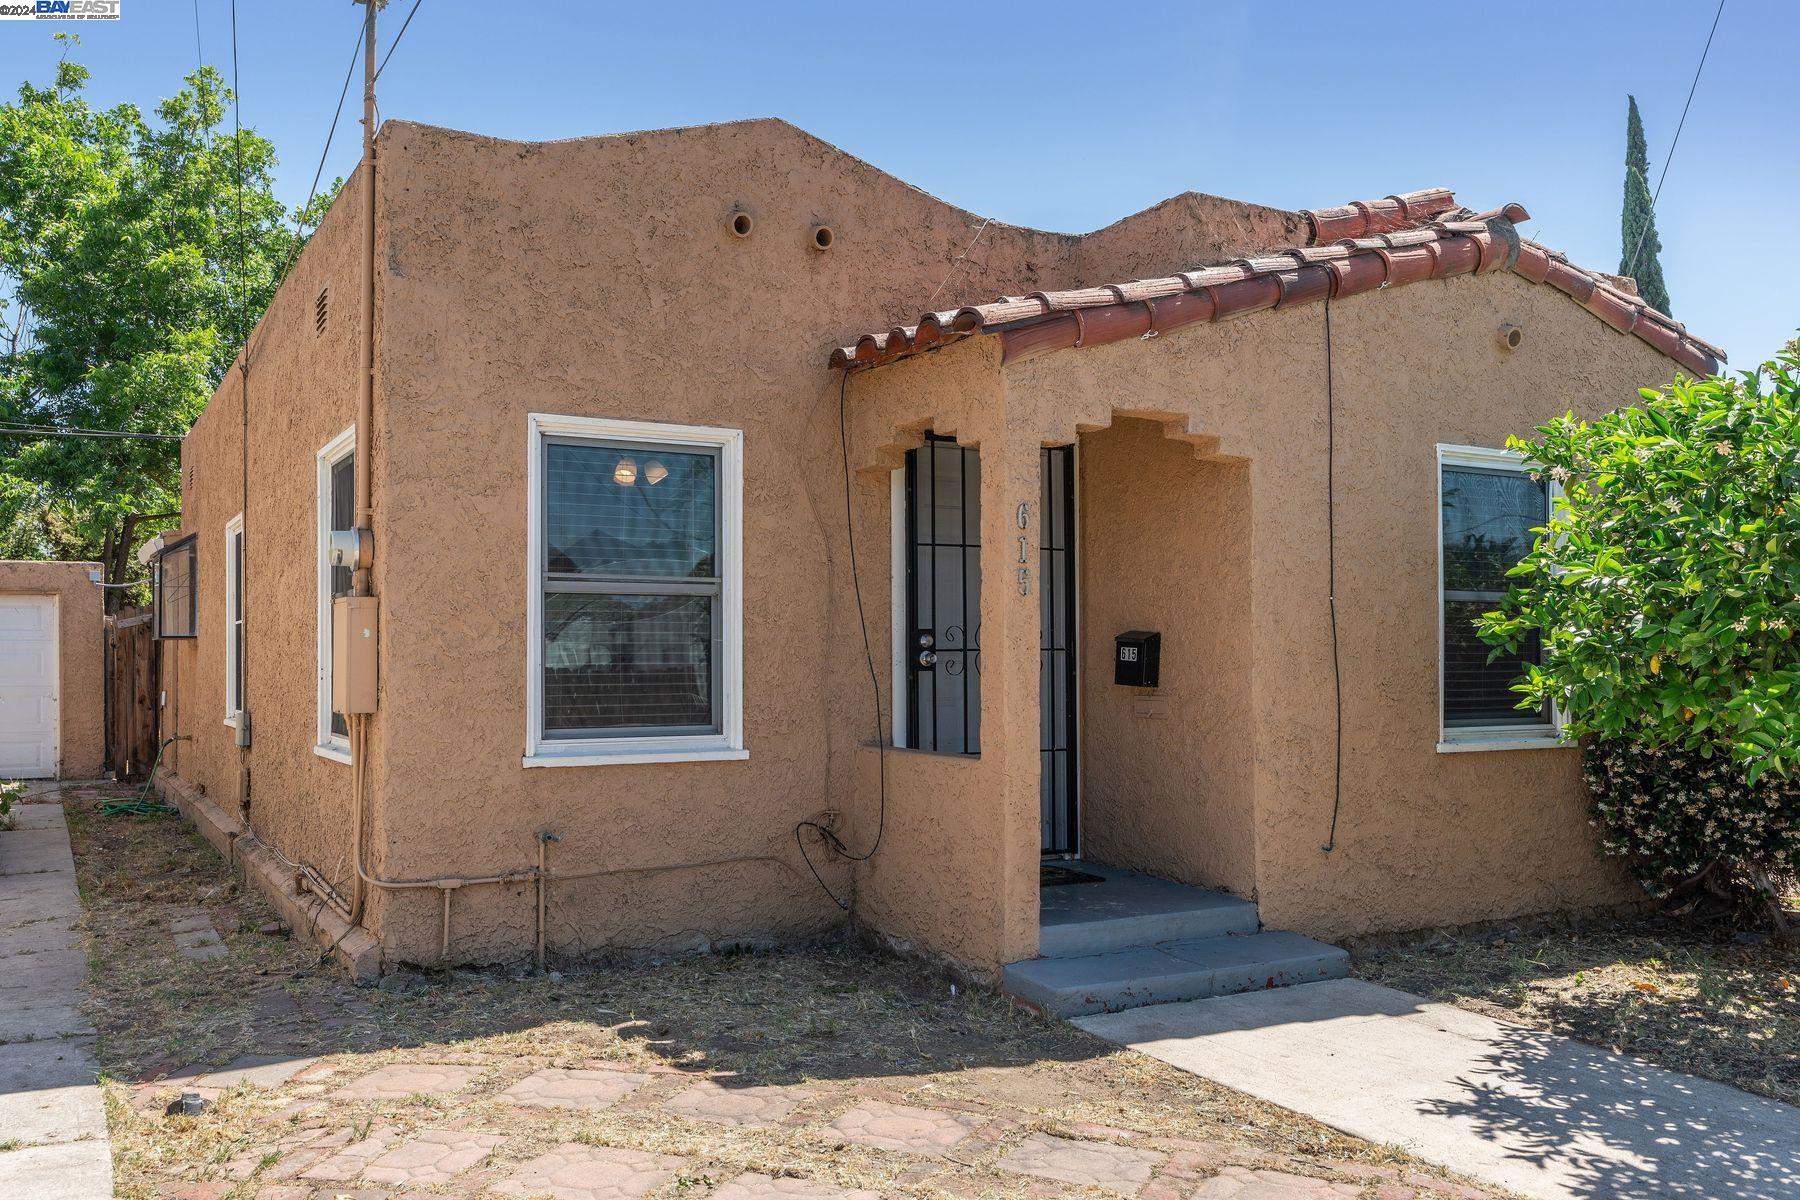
[{"x": 131, "y": 693}]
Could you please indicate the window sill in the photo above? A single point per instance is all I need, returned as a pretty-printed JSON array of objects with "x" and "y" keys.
[
  {"x": 333, "y": 753},
  {"x": 1547, "y": 739},
  {"x": 588, "y": 757},
  {"x": 231, "y": 722}
]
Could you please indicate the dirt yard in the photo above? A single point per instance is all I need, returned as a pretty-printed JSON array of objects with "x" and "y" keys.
[
  {"x": 1725, "y": 1009},
  {"x": 728, "y": 1077}
]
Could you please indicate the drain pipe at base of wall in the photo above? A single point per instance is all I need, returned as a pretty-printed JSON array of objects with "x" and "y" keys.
[{"x": 542, "y": 878}]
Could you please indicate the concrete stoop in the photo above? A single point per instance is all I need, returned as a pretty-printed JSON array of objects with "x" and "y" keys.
[{"x": 1133, "y": 940}]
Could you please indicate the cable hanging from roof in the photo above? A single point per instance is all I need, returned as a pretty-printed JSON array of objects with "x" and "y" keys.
[
  {"x": 395, "y": 45},
  {"x": 1631, "y": 263}
]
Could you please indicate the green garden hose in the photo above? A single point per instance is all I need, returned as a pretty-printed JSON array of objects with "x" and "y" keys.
[{"x": 141, "y": 805}]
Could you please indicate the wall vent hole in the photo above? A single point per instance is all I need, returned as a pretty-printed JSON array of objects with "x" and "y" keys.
[
  {"x": 741, "y": 224},
  {"x": 823, "y": 237},
  {"x": 321, "y": 310}
]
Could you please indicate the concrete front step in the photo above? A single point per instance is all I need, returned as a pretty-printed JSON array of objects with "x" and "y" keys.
[
  {"x": 1130, "y": 909},
  {"x": 1170, "y": 971}
]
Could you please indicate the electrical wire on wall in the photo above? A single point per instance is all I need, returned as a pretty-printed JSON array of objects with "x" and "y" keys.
[
  {"x": 1337, "y": 672},
  {"x": 830, "y": 838}
]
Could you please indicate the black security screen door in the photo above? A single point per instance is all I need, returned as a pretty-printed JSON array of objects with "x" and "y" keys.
[
  {"x": 943, "y": 616},
  {"x": 943, "y": 597},
  {"x": 1056, "y": 650}
]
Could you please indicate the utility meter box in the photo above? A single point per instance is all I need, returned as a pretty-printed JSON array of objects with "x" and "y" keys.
[
  {"x": 353, "y": 622},
  {"x": 1137, "y": 658}
]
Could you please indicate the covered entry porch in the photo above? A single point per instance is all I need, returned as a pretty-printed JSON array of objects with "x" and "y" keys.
[{"x": 1026, "y": 798}]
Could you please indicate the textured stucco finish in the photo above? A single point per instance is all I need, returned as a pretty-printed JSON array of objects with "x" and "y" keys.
[
  {"x": 1423, "y": 837},
  {"x": 302, "y": 393},
  {"x": 599, "y": 277},
  {"x": 1167, "y": 775},
  {"x": 594, "y": 277},
  {"x": 81, "y": 658}
]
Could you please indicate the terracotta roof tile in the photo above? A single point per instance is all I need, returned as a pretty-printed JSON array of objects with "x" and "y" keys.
[{"x": 1359, "y": 247}]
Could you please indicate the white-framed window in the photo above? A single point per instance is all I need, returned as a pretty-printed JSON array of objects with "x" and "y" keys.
[
  {"x": 336, "y": 511},
  {"x": 634, "y": 594},
  {"x": 234, "y": 619},
  {"x": 1488, "y": 505}
]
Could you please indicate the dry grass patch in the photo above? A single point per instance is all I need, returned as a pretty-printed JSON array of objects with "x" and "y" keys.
[
  {"x": 1723, "y": 1009},
  {"x": 837, "y": 1023}
]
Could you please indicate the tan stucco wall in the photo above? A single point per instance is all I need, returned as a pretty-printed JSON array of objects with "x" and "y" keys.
[
  {"x": 947, "y": 879},
  {"x": 1167, "y": 775},
  {"x": 302, "y": 390},
  {"x": 1423, "y": 837},
  {"x": 81, "y": 656},
  {"x": 599, "y": 277}
]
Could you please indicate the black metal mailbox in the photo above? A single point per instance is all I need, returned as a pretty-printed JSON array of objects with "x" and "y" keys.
[{"x": 1137, "y": 658}]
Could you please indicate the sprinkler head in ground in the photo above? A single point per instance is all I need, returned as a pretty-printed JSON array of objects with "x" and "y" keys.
[{"x": 191, "y": 1104}]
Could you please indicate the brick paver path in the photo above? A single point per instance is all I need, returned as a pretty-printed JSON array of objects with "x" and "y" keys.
[
  {"x": 555, "y": 1087},
  {"x": 1096, "y": 1164},
  {"x": 577, "y": 1172},
  {"x": 926, "y": 1131},
  {"x": 735, "y": 1105},
  {"x": 435, "y": 1156},
  {"x": 761, "y": 1187},
  {"x": 1239, "y": 1183},
  {"x": 409, "y": 1079}
]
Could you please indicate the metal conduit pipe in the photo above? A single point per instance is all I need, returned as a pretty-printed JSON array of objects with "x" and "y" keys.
[
  {"x": 360, "y": 578},
  {"x": 542, "y": 877}
]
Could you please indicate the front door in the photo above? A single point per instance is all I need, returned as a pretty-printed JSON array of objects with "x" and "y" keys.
[{"x": 943, "y": 617}]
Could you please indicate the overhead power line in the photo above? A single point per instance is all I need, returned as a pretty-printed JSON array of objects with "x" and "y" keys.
[
  {"x": 396, "y": 43},
  {"x": 1631, "y": 263},
  {"x": 18, "y": 429}
]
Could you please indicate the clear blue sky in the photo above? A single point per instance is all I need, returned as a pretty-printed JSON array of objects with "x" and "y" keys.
[{"x": 1068, "y": 116}]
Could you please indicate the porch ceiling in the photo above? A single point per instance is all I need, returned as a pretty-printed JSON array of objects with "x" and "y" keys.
[{"x": 1360, "y": 247}]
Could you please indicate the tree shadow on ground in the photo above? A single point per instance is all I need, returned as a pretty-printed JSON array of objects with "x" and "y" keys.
[{"x": 1623, "y": 1128}]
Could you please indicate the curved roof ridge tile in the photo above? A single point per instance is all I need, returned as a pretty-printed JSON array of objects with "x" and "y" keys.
[{"x": 1370, "y": 247}]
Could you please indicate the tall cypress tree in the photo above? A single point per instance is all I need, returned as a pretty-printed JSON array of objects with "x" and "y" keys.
[{"x": 1638, "y": 257}]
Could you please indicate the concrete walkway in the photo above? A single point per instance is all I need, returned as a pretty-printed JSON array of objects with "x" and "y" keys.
[
  {"x": 1540, "y": 1114},
  {"x": 51, "y": 1113}
]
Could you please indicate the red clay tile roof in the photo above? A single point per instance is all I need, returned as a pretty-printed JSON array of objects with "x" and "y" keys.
[{"x": 1360, "y": 247}]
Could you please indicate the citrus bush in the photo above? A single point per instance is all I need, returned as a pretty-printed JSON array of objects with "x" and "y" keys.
[{"x": 1666, "y": 591}]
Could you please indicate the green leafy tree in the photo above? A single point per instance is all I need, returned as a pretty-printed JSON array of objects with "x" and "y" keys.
[
  {"x": 1640, "y": 256},
  {"x": 135, "y": 256},
  {"x": 1666, "y": 591}
]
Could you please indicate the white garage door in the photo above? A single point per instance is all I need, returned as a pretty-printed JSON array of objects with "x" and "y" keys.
[{"x": 27, "y": 687}]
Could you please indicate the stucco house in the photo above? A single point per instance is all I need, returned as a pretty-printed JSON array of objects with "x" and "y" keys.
[{"x": 716, "y": 591}]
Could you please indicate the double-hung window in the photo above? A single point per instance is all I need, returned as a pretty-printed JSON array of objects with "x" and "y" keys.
[
  {"x": 234, "y": 618},
  {"x": 635, "y": 599},
  {"x": 1489, "y": 503},
  {"x": 337, "y": 512}
]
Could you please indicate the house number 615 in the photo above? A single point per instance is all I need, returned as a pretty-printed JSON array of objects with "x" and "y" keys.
[{"x": 1024, "y": 572}]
